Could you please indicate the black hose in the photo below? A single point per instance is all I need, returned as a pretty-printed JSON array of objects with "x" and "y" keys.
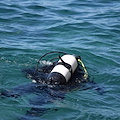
[{"x": 47, "y": 54}]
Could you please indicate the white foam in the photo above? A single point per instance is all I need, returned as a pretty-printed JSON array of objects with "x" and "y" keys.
[
  {"x": 34, "y": 81},
  {"x": 44, "y": 62}
]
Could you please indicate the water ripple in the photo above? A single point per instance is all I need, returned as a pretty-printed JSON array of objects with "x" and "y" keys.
[{"x": 91, "y": 29}]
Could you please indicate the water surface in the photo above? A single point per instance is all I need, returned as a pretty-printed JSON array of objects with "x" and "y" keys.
[{"x": 88, "y": 28}]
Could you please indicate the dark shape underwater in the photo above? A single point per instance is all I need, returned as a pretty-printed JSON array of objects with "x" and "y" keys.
[{"x": 46, "y": 91}]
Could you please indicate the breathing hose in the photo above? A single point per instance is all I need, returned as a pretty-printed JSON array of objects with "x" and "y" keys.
[
  {"x": 47, "y": 54},
  {"x": 86, "y": 73}
]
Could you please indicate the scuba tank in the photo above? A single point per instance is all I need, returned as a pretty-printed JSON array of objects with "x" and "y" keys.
[{"x": 63, "y": 70}]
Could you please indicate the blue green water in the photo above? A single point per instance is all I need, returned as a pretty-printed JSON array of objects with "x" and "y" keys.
[{"x": 89, "y": 28}]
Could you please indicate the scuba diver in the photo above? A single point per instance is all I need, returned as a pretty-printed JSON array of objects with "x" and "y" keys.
[{"x": 50, "y": 82}]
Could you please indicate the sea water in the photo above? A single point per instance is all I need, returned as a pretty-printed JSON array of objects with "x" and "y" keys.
[{"x": 89, "y": 28}]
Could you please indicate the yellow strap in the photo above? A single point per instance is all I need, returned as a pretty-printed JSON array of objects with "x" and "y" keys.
[{"x": 86, "y": 73}]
